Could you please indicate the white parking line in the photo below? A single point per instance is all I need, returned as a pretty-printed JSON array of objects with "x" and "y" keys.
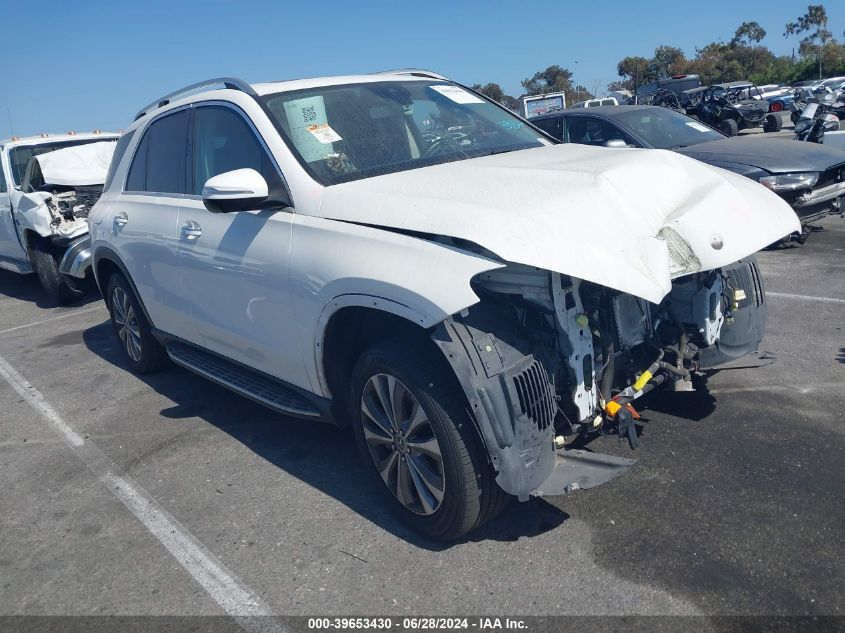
[
  {"x": 63, "y": 316},
  {"x": 238, "y": 600},
  {"x": 787, "y": 295}
]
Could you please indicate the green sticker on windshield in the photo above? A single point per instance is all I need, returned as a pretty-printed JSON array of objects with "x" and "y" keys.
[{"x": 305, "y": 115}]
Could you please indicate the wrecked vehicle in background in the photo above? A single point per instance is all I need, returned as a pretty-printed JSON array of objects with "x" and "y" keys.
[
  {"x": 734, "y": 106},
  {"x": 48, "y": 185},
  {"x": 399, "y": 253}
]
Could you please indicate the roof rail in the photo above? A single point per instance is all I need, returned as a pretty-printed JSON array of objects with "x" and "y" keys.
[
  {"x": 231, "y": 83},
  {"x": 416, "y": 72}
]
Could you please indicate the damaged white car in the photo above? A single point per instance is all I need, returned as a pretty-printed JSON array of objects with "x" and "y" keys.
[
  {"x": 398, "y": 253},
  {"x": 48, "y": 184}
]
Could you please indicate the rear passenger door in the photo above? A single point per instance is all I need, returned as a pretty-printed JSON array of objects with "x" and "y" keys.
[
  {"x": 143, "y": 221},
  {"x": 234, "y": 266}
]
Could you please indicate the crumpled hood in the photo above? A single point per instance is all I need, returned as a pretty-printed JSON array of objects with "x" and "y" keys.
[
  {"x": 77, "y": 165},
  {"x": 599, "y": 214},
  {"x": 775, "y": 155}
]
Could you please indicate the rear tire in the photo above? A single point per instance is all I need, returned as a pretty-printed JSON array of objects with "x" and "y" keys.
[
  {"x": 729, "y": 127},
  {"x": 59, "y": 288},
  {"x": 773, "y": 123},
  {"x": 448, "y": 487},
  {"x": 144, "y": 353}
]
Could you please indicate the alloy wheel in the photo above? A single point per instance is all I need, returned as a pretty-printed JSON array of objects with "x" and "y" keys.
[
  {"x": 402, "y": 444},
  {"x": 126, "y": 322}
]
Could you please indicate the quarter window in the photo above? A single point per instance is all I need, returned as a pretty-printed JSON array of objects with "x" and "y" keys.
[
  {"x": 224, "y": 142},
  {"x": 119, "y": 151},
  {"x": 159, "y": 162}
]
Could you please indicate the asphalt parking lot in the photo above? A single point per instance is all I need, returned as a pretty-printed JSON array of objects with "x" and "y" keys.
[{"x": 735, "y": 506}]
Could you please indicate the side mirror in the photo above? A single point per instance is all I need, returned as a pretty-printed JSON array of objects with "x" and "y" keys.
[
  {"x": 616, "y": 142},
  {"x": 237, "y": 190}
]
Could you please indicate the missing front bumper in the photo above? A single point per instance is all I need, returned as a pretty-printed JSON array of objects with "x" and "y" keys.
[{"x": 577, "y": 469}]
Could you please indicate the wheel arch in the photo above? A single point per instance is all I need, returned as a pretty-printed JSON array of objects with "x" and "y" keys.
[
  {"x": 105, "y": 263},
  {"x": 350, "y": 324}
]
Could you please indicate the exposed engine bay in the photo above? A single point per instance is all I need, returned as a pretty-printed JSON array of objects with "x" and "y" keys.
[
  {"x": 60, "y": 188},
  {"x": 603, "y": 349},
  {"x": 544, "y": 356}
]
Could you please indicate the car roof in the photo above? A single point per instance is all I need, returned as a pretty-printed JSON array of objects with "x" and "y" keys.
[
  {"x": 39, "y": 139},
  {"x": 733, "y": 84},
  {"x": 271, "y": 87},
  {"x": 606, "y": 110}
]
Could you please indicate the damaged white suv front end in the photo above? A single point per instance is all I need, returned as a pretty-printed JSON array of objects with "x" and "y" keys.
[
  {"x": 398, "y": 253},
  {"x": 53, "y": 183}
]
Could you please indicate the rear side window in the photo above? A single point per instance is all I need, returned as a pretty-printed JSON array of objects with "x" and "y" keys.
[
  {"x": 119, "y": 151},
  {"x": 223, "y": 141},
  {"x": 2, "y": 177},
  {"x": 159, "y": 163}
]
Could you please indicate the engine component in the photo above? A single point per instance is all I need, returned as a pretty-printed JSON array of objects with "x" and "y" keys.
[{"x": 576, "y": 342}]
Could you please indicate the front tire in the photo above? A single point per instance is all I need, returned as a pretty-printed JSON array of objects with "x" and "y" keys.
[
  {"x": 59, "y": 288},
  {"x": 144, "y": 353},
  {"x": 413, "y": 428},
  {"x": 773, "y": 123},
  {"x": 729, "y": 127}
]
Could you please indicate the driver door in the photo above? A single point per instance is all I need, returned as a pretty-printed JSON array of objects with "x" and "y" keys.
[
  {"x": 10, "y": 246},
  {"x": 234, "y": 266}
]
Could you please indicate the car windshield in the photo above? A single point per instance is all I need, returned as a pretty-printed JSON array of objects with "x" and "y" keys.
[
  {"x": 353, "y": 131},
  {"x": 665, "y": 129},
  {"x": 20, "y": 155}
]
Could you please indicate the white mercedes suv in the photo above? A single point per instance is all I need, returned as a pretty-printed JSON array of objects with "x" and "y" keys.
[{"x": 396, "y": 252}]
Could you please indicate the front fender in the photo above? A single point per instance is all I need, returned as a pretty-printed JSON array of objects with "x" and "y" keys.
[
  {"x": 336, "y": 264},
  {"x": 33, "y": 215}
]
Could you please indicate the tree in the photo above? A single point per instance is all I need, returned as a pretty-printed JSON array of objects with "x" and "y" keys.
[
  {"x": 495, "y": 92},
  {"x": 747, "y": 33},
  {"x": 632, "y": 70},
  {"x": 667, "y": 60},
  {"x": 814, "y": 24},
  {"x": 555, "y": 79}
]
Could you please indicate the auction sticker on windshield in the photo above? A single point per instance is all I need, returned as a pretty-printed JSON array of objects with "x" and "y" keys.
[
  {"x": 304, "y": 114},
  {"x": 457, "y": 94},
  {"x": 695, "y": 125},
  {"x": 324, "y": 133}
]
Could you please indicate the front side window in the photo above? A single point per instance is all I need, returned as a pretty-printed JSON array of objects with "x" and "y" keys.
[
  {"x": 223, "y": 142},
  {"x": 2, "y": 176},
  {"x": 553, "y": 126},
  {"x": 159, "y": 162},
  {"x": 348, "y": 132},
  {"x": 592, "y": 131}
]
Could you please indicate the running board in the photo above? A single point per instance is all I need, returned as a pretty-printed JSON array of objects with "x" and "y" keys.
[
  {"x": 577, "y": 469},
  {"x": 251, "y": 384}
]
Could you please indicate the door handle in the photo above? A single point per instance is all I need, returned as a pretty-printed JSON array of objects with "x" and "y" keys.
[
  {"x": 120, "y": 220},
  {"x": 191, "y": 230}
]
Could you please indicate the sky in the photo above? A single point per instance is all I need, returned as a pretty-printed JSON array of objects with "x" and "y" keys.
[{"x": 84, "y": 65}]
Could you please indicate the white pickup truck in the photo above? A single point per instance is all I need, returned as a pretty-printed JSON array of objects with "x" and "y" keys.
[{"x": 48, "y": 184}]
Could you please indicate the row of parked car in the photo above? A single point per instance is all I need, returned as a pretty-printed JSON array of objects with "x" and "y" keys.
[
  {"x": 470, "y": 291},
  {"x": 737, "y": 105}
]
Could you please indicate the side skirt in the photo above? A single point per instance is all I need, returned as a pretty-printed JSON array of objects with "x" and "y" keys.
[{"x": 259, "y": 387}]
